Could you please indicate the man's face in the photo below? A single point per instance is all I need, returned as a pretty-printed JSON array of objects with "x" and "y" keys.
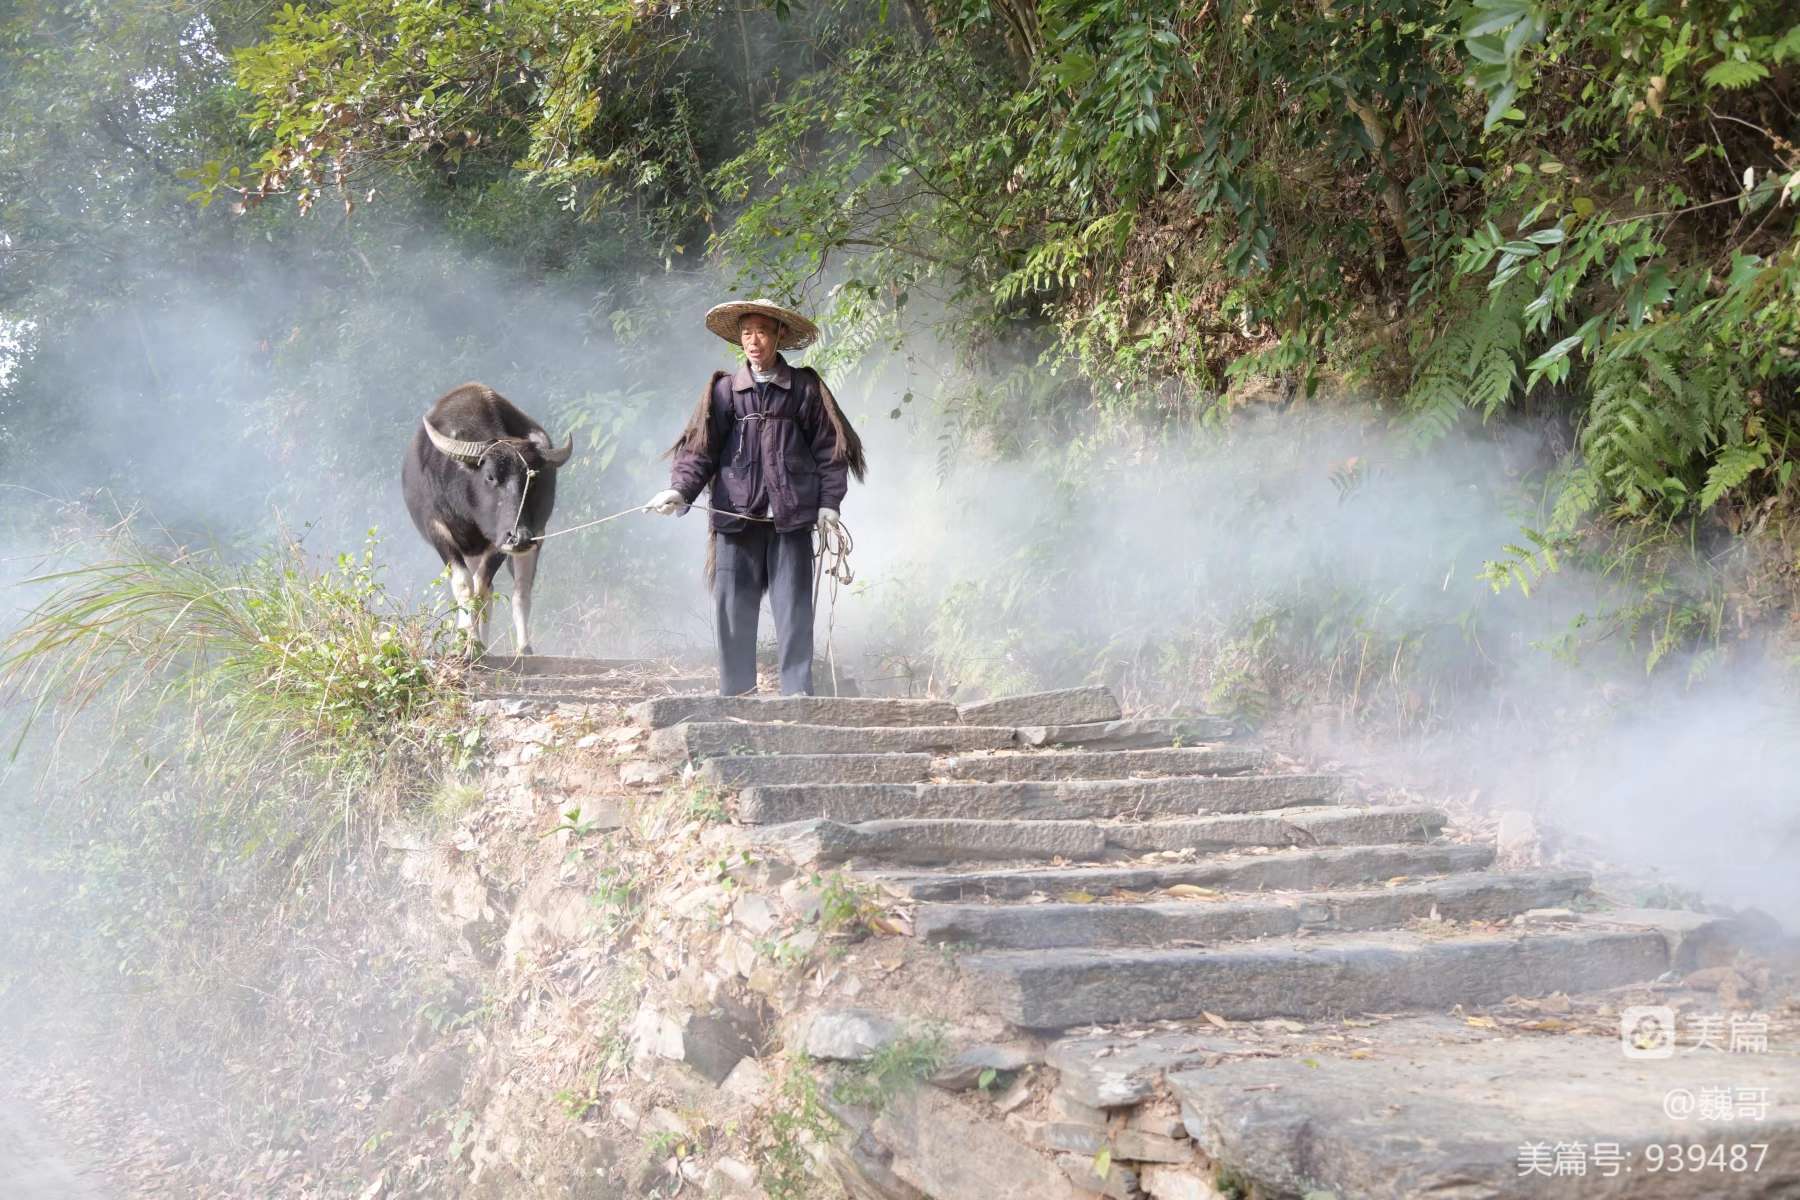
[{"x": 758, "y": 335}]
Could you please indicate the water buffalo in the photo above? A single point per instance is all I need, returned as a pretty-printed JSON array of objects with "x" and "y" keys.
[{"x": 480, "y": 482}]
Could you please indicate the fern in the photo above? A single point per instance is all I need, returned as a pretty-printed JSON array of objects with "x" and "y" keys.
[
  {"x": 1057, "y": 264},
  {"x": 1734, "y": 74},
  {"x": 1474, "y": 363},
  {"x": 1578, "y": 496},
  {"x": 1660, "y": 411},
  {"x": 1523, "y": 567},
  {"x": 1735, "y": 464}
]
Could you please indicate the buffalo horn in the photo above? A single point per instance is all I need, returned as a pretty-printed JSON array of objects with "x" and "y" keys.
[
  {"x": 467, "y": 451},
  {"x": 560, "y": 455}
]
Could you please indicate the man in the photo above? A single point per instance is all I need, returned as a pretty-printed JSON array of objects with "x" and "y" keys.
[{"x": 777, "y": 452}]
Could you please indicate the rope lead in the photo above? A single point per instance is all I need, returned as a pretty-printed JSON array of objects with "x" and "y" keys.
[{"x": 831, "y": 558}]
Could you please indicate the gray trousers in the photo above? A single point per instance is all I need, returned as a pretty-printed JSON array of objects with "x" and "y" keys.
[{"x": 748, "y": 564}]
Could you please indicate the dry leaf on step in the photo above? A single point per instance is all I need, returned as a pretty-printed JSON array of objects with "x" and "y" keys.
[
  {"x": 1191, "y": 891},
  {"x": 1076, "y": 897}
]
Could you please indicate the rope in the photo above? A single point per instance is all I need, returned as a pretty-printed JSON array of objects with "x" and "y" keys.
[
  {"x": 542, "y": 537},
  {"x": 831, "y": 559}
]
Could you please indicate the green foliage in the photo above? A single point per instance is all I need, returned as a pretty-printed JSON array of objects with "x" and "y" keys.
[
  {"x": 846, "y": 906},
  {"x": 1473, "y": 364},
  {"x": 902, "y": 1063},
  {"x": 1167, "y": 198},
  {"x": 1521, "y": 565},
  {"x": 258, "y": 676},
  {"x": 798, "y": 1119},
  {"x": 1667, "y": 266},
  {"x": 612, "y": 107},
  {"x": 702, "y": 802},
  {"x": 619, "y": 899}
]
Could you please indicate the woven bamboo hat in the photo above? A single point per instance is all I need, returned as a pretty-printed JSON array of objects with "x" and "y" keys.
[{"x": 797, "y": 331}]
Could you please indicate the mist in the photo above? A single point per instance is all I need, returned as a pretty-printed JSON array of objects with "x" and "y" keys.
[
  {"x": 1320, "y": 541},
  {"x": 1310, "y": 534}
]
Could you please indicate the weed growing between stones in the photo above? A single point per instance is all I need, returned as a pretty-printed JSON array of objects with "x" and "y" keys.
[
  {"x": 702, "y": 802},
  {"x": 452, "y": 798},
  {"x": 618, "y": 900},
  {"x": 797, "y": 1120},
  {"x": 845, "y": 906},
  {"x": 899, "y": 1065}
]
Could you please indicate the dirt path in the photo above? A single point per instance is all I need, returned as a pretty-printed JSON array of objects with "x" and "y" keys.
[{"x": 32, "y": 1165}]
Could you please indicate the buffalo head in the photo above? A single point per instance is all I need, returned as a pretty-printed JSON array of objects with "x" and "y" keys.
[{"x": 512, "y": 484}]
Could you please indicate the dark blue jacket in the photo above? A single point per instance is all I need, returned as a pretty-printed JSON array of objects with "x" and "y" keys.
[{"x": 787, "y": 447}]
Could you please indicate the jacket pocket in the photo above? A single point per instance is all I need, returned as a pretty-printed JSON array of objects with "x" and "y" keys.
[
  {"x": 802, "y": 478},
  {"x": 734, "y": 485}
]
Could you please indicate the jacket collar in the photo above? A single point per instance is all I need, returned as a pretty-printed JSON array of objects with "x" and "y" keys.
[{"x": 784, "y": 377}]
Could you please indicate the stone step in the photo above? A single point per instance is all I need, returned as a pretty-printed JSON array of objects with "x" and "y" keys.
[
  {"x": 1323, "y": 826},
  {"x": 1307, "y": 977},
  {"x": 1291, "y": 868},
  {"x": 1102, "y": 764},
  {"x": 551, "y": 699},
  {"x": 599, "y": 681},
  {"x": 1069, "y": 706},
  {"x": 943, "y": 841},
  {"x": 556, "y": 664},
  {"x": 620, "y": 694},
  {"x": 664, "y": 711},
  {"x": 930, "y": 842},
  {"x": 1166, "y": 923},
  {"x": 772, "y": 770},
  {"x": 1455, "y": 1112},
  {"x": 1037, "y": 801},
  {"x": 781, "y": 770},
  {"x": 1138, "y": 733},
  {"x": 699, "y": 740}
]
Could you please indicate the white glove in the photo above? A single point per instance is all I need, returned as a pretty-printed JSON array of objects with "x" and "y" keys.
[
  {"x": 668, "y": 503},
  {"x": 828, "y": 520}
]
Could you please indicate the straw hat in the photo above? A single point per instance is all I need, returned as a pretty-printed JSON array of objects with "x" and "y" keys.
[{"x": 723, "y": 319}]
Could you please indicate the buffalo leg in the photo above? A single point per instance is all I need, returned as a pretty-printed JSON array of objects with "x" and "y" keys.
[
  {"x": 482, "y": 574},
  {"x": 464, "y": 593},
  {"x": 524, "y": 571}
]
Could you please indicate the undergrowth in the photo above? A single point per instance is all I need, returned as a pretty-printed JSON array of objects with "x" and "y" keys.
[
  {"x": 901, "y": 1064},
  {"x": 796, "y": 1120},
  {"x": 298, "y": 701},
  {"x": 207, "y": 748}
]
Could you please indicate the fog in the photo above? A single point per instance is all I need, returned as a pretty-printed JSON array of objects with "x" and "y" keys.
[{"x": 1309, "y": 534}]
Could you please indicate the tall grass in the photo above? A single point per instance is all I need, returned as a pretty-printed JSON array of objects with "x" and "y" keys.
[
  {"x": 294, "y": 700},
  {"x": 212, "y": 746}
]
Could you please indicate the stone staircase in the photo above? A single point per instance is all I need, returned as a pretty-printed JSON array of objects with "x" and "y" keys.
[
  {"x": 878, "y": 785},
  {"x": 1163, "y": 878}
]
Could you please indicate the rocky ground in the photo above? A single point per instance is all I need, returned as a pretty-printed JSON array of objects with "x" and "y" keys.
[{"x": 1034, "y": 948}]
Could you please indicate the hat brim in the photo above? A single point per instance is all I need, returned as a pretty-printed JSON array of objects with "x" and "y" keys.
[{"x": 723, "y": 320}]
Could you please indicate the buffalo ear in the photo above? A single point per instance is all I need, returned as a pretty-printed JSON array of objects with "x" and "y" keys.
[{"x": 560, "y": 455}]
